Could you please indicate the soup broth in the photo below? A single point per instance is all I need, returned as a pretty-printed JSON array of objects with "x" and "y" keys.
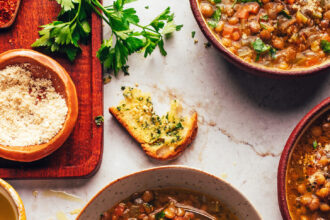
[
  {"x": 308, "y": 177},
  {"x": 6, "y": 210},
  {"x": 166, "y": 204}
]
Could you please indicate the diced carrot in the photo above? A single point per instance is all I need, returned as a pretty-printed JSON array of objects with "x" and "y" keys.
[
  {"x": 312, "y": 61},
  {"x": 242, "y": 13},
  {"x": 252, "y": 7},
  {"x": 235, "y": 36},
  {"x": 227, "y": 30},
  {"x": 291, "y": 2},
  {"x": 326, "y": 37},
  {"x": 119, "y": 210}
]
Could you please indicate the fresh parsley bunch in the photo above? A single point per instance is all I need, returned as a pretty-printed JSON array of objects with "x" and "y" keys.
[{"x": 127, "y": 37}]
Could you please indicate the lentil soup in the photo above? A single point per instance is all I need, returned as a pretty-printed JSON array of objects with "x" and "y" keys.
[
  {"x": 308, "y": 177},
  {"x": 273, "y": 33},
  {"x": 163, "y": 204}
]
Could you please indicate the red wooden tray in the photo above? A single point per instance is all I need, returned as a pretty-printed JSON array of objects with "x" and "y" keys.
[{"x": 81, "y": 154}]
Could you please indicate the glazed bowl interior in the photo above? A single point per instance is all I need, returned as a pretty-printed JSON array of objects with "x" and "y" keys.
[
  {"x": 9, "y": 193},
  {"x": 254, "y": 68},
  {"x": 289, "y": 149},
  {"x": 42, "y": 66},
  {"x": 169, "y": 177},
  {"x": 7, "y": 196}
]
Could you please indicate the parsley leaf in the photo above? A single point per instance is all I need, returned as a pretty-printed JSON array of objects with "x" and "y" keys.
[
  {"x": 325, "y": 45},
  {"x": 99, "y": 120},
  {"x": 160, "y": 215},
  {"x": 72, "y": 28},
  {"x": 264, "y": 17},
  {"x": 285, "y": 13},
  {"x": 260, "y": 47},
  {"x": 217, "y": 14},
  {"x": 193, "y": 33},
  {"x": 66, "y": 5},
  {"x": 315, "y": 144},
  {"x": 213, "y": 22}
]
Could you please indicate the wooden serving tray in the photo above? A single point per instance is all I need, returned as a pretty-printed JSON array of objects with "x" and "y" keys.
[{"x": 81, "y": 154}]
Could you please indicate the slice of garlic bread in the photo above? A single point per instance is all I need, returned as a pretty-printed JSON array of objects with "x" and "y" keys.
[{"x": 162, "y": 138}]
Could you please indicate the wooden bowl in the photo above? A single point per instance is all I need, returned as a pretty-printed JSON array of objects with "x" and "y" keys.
[
  {"x": 11, "y": 22},
  {"x": 43, "y": 66},
  {"x": 294, "y": 138},
  {"x": 169, "y": 177},
  {"x": 253, "y": 68},
  {"x": 15, "y": 201}
]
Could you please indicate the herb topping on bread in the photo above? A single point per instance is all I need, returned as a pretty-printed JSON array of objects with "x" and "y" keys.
[{"x": 162, "y": 137}]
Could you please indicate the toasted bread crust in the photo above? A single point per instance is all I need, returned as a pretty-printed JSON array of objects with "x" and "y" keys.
[{"x": 191, "y": 134}]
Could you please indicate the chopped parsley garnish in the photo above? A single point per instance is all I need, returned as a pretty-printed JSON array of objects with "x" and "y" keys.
[
  {"x": 178, "y": 125},
  {"x": 123, "y": 88},
  {"x": 193, "y": 33},
  {"x": 146, "y": 7},
  {"x": 99, "y": 120},
  {"x": 263, "y": 26},
  {"x": 260, "y": 47},
  {"x": 217, "y": 14},
  {"x": 285, "y": 13},
  {"x": 160, "y": 215},
  {"x": 215, "y": 1},
  {"x": 264, "y": 17},
  {"x": 213, "y": 22},
  {"x": 315, "y": 144},
  {"x": 207, "y": 44},
  {"x": 325, "y": 45}
]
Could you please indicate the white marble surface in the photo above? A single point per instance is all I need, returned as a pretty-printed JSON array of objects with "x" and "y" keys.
[{"x": 244, "y": 120}]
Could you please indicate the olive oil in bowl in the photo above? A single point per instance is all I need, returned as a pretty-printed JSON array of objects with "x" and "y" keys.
[{"x": 6, "y": 209}]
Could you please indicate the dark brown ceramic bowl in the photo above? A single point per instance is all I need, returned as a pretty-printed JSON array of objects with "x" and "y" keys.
[
  {"x": 252, "y": 67},
  {"x": 294, "y": 138}
]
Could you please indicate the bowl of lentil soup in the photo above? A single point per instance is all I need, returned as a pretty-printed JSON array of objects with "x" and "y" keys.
[
  {"x": 303, "y": 179},
  {"x": 169, "y": 192},
  {"x": 273, "y": 38}
]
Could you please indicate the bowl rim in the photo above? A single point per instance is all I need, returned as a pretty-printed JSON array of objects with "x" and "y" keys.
[
  {"x": 288, "y": 148},
  {"x": 13, "y": 18},
  {"x": 18, "y": 153},
  {"x": 15, "y": 197},
  {"x": 180, "y": 167},
  {"x": 250, "y": 67}
]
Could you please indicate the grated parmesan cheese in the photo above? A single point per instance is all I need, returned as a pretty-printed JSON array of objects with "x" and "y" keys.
[{"x": 32, "y": 112}]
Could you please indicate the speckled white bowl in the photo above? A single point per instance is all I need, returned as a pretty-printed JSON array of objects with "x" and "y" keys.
[{"x": 164, "y": 177}]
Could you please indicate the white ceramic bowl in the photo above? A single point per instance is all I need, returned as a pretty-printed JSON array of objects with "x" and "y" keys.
[{"x": 164, "y": 177}]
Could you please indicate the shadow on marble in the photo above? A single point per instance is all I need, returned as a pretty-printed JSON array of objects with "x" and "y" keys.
[{"x": 276, "y": 94}]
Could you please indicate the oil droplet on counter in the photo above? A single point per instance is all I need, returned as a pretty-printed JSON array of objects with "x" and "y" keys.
[
  {"x": 35, "y": 193},
  {"x": 224, "y": 175},
  {"x": 63, "y": 195},
  {"x": 61, "y": 216},
  {"x": 75, "y": 212}
]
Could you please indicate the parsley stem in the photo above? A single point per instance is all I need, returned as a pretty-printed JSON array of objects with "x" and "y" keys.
[
  {"x": 146, "y": 28},
  {"x": 75, "y": 17},
  {"x": 98, "y": 12}
]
